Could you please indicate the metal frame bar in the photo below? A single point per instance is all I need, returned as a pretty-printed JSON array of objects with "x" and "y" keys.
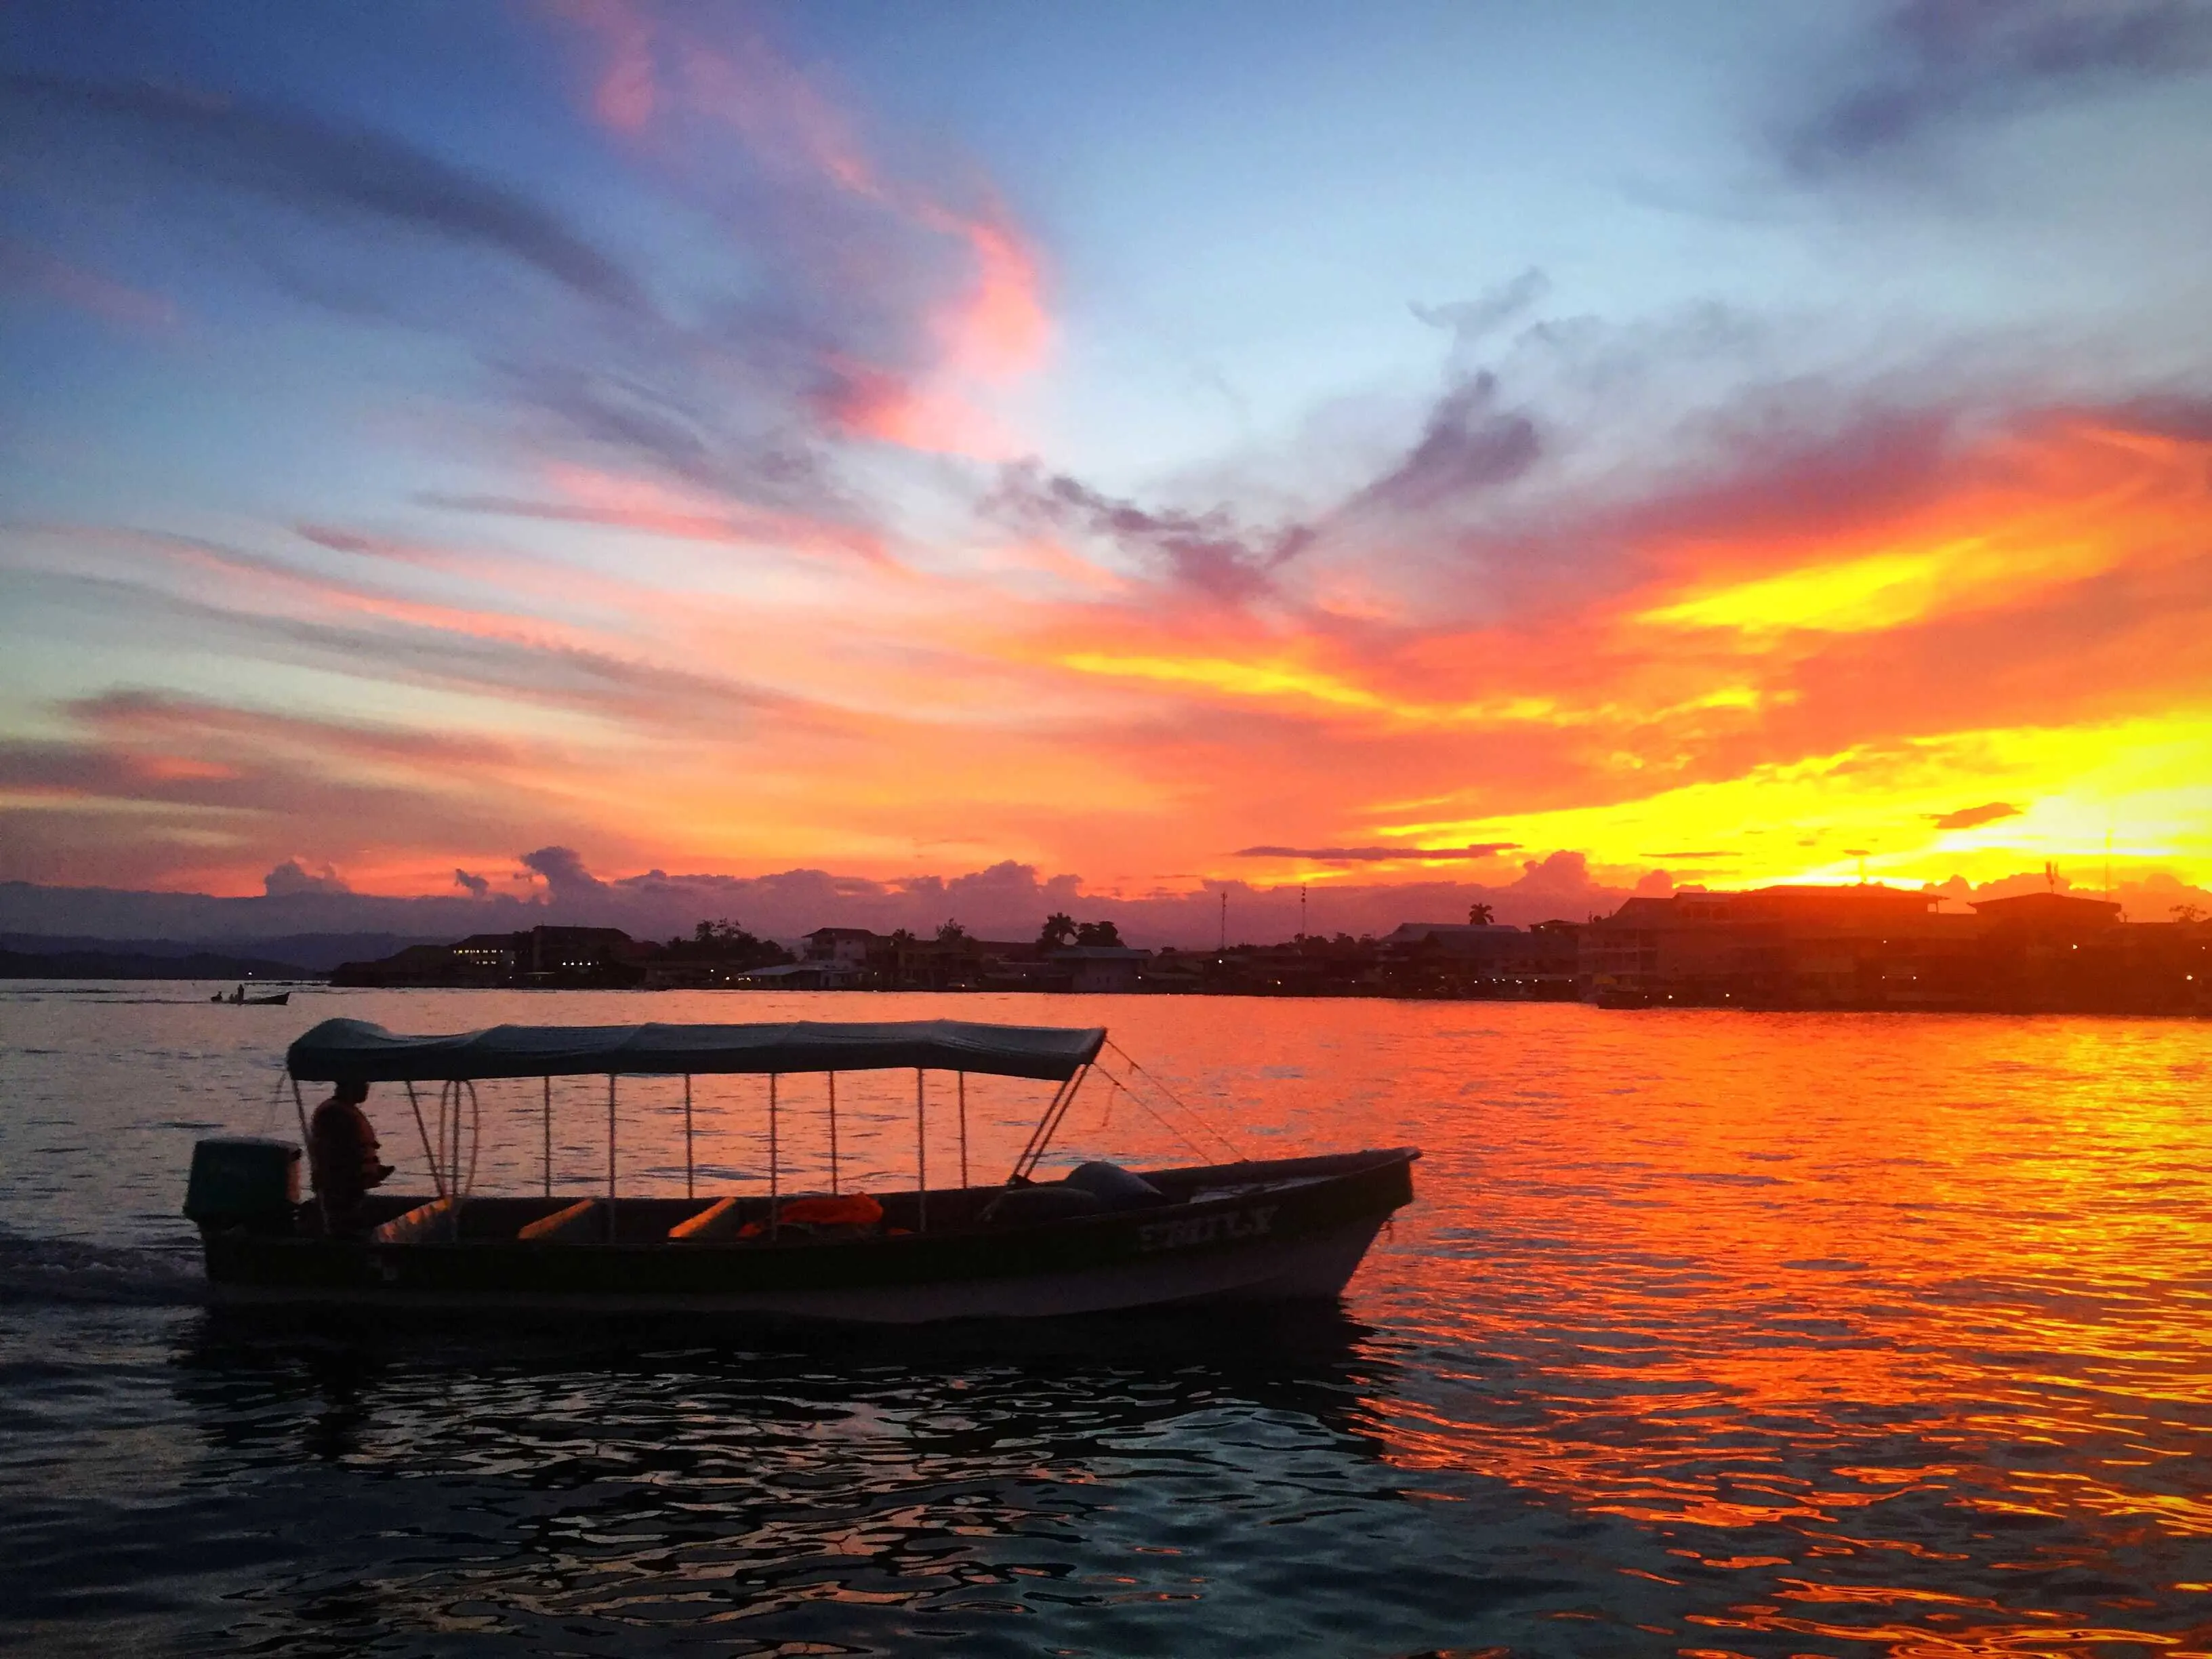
[
  {"x": 1023, "y": 1157},
  {"x": 307, "y": 1151},
  {"x": 833, "y": 1131},
  {"x": 429, "y": 1153},
  {"x": 689, "y": 1190},
  {"x": 549, "y": 1137},
  {"x": 774, "y": 1173},
  {"x": 611, "y": 1158},
  {"x": 920, "y": 1154},
  {"x": 1040, "y": 1137},
  {"x": 963, "y": 1076}
]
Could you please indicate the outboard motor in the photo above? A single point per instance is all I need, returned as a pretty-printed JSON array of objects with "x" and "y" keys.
[{"x": 253, "y": 1184}]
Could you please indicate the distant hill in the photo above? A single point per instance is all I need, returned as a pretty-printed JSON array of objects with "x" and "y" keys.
[
  {"x": 306, "y": 954},
  {"x": 111, "y": 963}
]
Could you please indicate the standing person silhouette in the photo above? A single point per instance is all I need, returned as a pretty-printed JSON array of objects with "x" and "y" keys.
[{"x": 342, "y": 1156}]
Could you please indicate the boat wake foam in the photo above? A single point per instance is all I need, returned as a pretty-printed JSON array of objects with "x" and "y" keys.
[{"x": 50, "y": 1270}]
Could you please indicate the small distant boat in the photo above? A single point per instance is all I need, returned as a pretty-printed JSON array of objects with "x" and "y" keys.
[
  {"x": 239, "y": 1000},
  {"x": 1101, "y": 1239}
]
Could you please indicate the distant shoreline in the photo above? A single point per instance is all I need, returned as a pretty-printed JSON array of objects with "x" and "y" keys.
[
  {"x": 138, "y": 965},
  {"x": 267, "y": 979}
]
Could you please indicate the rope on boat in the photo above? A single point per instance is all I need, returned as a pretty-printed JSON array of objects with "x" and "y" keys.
[
  {"x": 269, "y": 1112},
  {"x": 1138, "y": 1100},
  {"x": 1196, "y": 1116}
]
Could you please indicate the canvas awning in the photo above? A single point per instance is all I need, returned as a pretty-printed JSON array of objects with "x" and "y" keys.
[{"x": 353, "y": 1050}]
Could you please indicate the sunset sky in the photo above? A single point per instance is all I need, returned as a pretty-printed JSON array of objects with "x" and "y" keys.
[{"x": 1156, "y": 443}]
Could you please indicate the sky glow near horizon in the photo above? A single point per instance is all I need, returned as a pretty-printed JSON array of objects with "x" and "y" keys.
[{"x": 898, "y": 440}]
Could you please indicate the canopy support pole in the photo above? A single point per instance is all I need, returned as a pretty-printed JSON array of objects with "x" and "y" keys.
[
  {"x": 689, "y": 1190},
  {"x": 611, "y": 1158},
  {"x": 963, "y": 1076},
  {"x": 549, "y": 1137},
  {"x": 454, "y": 1164},
  {"x": 921, "y": 1154},
  {"x": 775, "y": 1207},
  {"x": 429, "y": 1156},
  {"x": 459, "y": 1185},
  {"x": 833, "y": 1131},
  {"x": 307, "y": 1147},
  {"x": 1034, "y": 1152},
  {"x": 1031, "y": 1145}
]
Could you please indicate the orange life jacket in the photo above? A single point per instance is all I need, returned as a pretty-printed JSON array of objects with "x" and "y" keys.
[{"x": 845, "y": 1210}]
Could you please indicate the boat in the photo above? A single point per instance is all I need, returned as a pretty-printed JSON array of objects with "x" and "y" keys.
[
  {"x": 1100, "y": 1239},
  {"x": 239, "y": 1000}
]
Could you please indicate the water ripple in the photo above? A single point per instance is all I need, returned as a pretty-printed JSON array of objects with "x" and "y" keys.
[{"x": 1712, "y": 1333}]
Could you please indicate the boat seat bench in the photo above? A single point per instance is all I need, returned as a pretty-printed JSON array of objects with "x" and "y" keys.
[
  {"x": 416, "y": 1226},
  {"x": 581, "y": 1223}
]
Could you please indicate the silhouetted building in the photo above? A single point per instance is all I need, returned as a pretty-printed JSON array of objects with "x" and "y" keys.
[
  {"x": 547, "y": 956},
  {"x": 1872, "y": 946},
  {"x": 849, "y": 947},
  {"x": 1100, "y": 968},
  {"x": 1480, "y": 959}
]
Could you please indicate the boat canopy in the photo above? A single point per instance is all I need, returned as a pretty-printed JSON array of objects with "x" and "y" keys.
[{"x": 354, "y": 1051}]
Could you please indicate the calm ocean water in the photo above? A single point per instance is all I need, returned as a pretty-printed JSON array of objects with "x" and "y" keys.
[{"x": 1710, "y": 1334}]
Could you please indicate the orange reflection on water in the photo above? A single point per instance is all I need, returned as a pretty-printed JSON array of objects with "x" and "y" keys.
[{"x": 1901, "y": 1318}]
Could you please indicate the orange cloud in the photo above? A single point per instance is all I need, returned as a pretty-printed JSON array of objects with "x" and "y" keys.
[
  {"x": 2035, "y": 511},
  {"x": 1018, "y": 701}
]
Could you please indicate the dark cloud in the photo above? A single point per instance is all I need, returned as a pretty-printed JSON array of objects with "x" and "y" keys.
[
  {"x": 1009, "y": 900},
  {"x": 291, "y": 879},
  {"x": 566, "y": 877},
  {"x": 1694, "y": 855},
  {"x": 670, "y": 402},
  {"x": 1468, "y": 445},
  {"x": 338, "y": 541},
  {"x": 2168, "y": 415},
  {"x": 478, "y": 886},
  {"x": 1803, "y": 459},
  {"x": 1378, "y": 854},
  {"x": 728, "y": 397},
  {"x": 304, "y": 162},
  {"x": 1207, "y": 551},
  {"x": 1969, "y": 818},
  {"x": 538, "y": 672},
  {"x": 1942, "y": 60},
  {"x": 1469, "y": 320}
]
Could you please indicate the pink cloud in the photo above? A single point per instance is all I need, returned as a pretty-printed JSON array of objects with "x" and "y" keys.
[{"x": 33, "y": 270}]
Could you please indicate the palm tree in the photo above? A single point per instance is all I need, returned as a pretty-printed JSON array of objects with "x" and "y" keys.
[
  {"x": 1059, "y": 929},
  {"x": 1479, "y": 916}
]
